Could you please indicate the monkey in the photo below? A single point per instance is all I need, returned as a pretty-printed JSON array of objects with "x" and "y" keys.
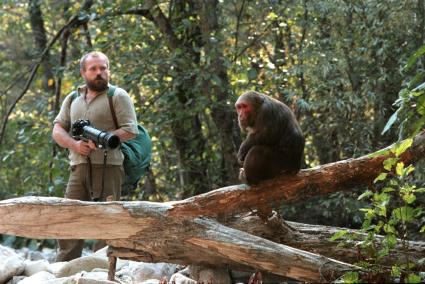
[{"x": 274, "y": 142}]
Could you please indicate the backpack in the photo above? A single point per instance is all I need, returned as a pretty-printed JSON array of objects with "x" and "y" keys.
[{"x": 137, "y": 151}]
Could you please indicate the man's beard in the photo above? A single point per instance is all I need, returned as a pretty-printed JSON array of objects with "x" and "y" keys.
[{"x": 98, "y": 85}]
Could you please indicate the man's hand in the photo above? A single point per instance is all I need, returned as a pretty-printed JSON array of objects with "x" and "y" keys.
[{"x": 84, "y": 148}]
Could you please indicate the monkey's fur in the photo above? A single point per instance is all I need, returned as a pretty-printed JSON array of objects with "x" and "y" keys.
[{"x": 274, "y": 144}]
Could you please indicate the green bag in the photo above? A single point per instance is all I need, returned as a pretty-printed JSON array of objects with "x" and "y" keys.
[{"x": 137, "y": 151}]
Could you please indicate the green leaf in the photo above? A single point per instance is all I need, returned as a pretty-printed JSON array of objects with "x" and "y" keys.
[
  {"x": 422, "y": 229},
  {"x": 367, "y": 193},
  {"x": 413, "y": 278},
  {"x": 414, "y": 58},
  {"x": 399, "y": 169},
  {"x": 409, "y": 198},
  {"x": 389, "y": 163},
  {"x": 381, "y": 177},
  {"x": 351, "y": 277},
  {"x": 396, "y": 271},
  {"x": 339, "y": 235},
  {"x": 390, "y": 122},
  {"x": 271, "y": 16},
  {"x": 405, "y": 213},
  {"x": 402, "y": 147}
]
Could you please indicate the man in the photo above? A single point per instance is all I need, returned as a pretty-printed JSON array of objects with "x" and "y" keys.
[{"x": 89, "y": 178}]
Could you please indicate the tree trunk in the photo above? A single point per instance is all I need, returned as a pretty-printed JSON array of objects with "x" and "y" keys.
[
  {"x": 184, "y": 232},
  {"x": 146, "y": 231},
  {"x": 333, "y": 177}
]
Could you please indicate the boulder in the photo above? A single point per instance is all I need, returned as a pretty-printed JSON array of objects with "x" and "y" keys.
[
  {"x": 142, "y": 271},
  {"x": 85, "y": 263},
  {"x": 11, "y": 264}
]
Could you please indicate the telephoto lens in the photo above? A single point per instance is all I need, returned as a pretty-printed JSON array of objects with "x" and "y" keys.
[
  {"x": 102, "y": 139},
  {"x": 82, "y": 129}
]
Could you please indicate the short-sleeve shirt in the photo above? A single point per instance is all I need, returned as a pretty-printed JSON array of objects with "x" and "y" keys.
[{"x": 100, "y": 116}]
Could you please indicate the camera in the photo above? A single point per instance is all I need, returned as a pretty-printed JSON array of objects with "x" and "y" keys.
[{"x": 82, "y": 130}]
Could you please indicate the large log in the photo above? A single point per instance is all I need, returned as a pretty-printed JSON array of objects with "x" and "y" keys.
[
  {"x": 342, "y": 175},
  {"x": 182, "y": 231},
  {"x": 146, "y": 231},
  {"x": 317, "y": 239}
]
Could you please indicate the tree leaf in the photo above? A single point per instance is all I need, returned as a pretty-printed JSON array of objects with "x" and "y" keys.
[
  {"x": 390, "y": 122},
  {"x": 402, "y": 147}
]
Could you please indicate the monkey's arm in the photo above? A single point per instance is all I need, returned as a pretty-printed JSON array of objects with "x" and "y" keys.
[{"x": 254, "y": 138}]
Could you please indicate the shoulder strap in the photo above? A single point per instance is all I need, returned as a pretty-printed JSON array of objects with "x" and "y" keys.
[
  {"x": 111, "y": 92},
  {"x": 74, "y": 95}
]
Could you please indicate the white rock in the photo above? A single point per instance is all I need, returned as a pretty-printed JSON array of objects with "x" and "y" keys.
[
  {"x": 11, "y": 264},
  {"x": 150, "y": 281},
  {"x": 62, "y": 280},
  {"x": 85, "y": 263},
  {"x": 214, "y": 275},
  {"x": 94, "y": 278},
  {"x": 178, "y": 278},
  {"x": 39, "y": 278},
  {"x": 32, "y": 267},
  {"x": 142, "y": 271},
  {"x": 55, "y": 267}
]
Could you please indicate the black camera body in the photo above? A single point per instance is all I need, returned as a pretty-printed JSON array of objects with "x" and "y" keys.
[{"x": 82, "y": 130}]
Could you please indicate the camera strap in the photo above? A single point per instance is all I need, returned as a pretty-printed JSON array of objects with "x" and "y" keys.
[{"x": 90, "y": 176}]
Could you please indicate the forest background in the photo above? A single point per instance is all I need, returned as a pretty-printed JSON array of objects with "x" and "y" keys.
[{"x": 339, "y": 64}]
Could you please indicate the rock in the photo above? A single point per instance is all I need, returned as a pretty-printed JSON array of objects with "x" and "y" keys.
[
  {"x": 35, "y": 255},
  {"x": 178, "y": 278},
  {"x": 62, "y": 280},
  {"x": 142, "y": 271},
  {"x": 214, "y": 275},
  {"x": 32, "y": 267},
  {"x": 16, "y": 279},
  {"x": 39, "y": 278},
  {"x": 85, "y": 263},
  {"x": 55, "y": 267},
  {"x": 11, "y": 264},
  {"x": 94, "y": 277},
  {"x": 150, "y": 281}
]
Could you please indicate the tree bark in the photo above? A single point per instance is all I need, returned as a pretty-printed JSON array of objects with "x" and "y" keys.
[{"x": 145, "y": 231}]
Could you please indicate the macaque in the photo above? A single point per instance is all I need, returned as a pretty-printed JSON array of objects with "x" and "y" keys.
[{"x": 274, "y": 142}]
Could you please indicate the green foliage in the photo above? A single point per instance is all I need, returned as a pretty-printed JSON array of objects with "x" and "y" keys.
[{"x": 395, "y": 210}]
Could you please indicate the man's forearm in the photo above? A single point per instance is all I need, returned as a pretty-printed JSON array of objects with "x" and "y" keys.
[
  {"x": 61, "y": 136},
  {"x": 123, "y": 134}
]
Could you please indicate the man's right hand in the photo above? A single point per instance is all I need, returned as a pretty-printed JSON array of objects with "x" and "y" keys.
[{"x": 84, "y": 148}]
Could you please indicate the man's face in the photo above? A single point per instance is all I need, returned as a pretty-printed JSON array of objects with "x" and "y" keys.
[{"x": 96, "y": 73}]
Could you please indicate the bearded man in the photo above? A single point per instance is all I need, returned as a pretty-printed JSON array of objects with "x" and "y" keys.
[{"x": 92, "y": 176}]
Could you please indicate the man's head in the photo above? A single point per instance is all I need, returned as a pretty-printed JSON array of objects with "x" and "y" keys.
[{"x": 94, "y": 68}]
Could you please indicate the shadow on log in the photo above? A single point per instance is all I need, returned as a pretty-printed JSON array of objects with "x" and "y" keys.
[{"x": 186, "y": 231}]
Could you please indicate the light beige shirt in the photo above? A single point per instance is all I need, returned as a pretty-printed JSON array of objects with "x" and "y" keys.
[{"x": 100, "y": 116}]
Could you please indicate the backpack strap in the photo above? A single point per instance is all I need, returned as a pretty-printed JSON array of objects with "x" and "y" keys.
[
  {"x": 111, "y": 92},
  {"x": 74, "y": 95}
]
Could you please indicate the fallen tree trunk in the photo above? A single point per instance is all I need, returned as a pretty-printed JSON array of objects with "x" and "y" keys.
[
  {"x": 317, "y": 239},
  {"x": 145, "y": 231},
  {"x": 181, "y": 231},
  {"x": 342, "y": 175}
]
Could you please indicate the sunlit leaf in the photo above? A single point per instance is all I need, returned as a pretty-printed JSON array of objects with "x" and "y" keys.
[
  {"x": 404, "y": 214},
  {"x": 389, "y": 163},
  {"x": 399, "y": 169},
  {"x": 365, "y": 194},
  {"x": 402, "y": 147}
]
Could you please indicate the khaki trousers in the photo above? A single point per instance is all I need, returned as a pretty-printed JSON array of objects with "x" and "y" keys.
[{"x": 82, "y": 187}]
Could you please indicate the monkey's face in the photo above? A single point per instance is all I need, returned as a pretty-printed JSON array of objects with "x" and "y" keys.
[{"x": 246, "y": 117}]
